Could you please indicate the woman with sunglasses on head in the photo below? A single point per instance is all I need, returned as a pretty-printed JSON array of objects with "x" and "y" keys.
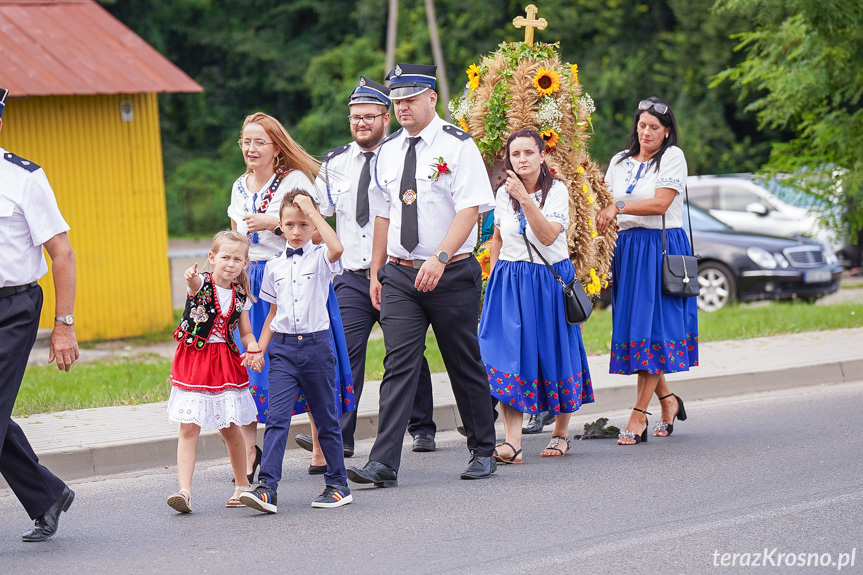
[
  {"x": 275, "y": 164},
  {"x": 652, "y": 333}
]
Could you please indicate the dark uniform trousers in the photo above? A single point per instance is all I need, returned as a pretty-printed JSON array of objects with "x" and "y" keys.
[
  {"x": 34, "y": 486},
  {"x": 452, "y": 309},
  {"x": 359, "y": 317}
]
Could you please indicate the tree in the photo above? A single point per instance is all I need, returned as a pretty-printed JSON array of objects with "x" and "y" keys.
[{"x": 804, "y": 65}]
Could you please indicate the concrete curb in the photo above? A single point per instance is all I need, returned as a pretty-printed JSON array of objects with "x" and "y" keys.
[{"x": 130, "y": 456}]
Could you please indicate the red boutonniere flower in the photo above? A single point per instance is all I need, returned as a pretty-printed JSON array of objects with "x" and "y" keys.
[{"x": 439, "y": 169}]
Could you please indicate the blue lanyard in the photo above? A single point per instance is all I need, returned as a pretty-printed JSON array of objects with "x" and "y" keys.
[{"x": 635, "y": 181}]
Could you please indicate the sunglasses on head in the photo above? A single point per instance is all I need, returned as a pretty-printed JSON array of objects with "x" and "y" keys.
[{"x": 658, "y": 106}]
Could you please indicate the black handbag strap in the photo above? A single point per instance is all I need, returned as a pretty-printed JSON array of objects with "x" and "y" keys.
[
  {"x": 551, "y": 269},
  {"x": 688, "y": 217}
]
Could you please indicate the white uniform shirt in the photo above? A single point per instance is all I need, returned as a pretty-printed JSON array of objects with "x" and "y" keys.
[
  {"x": 672, "y": 174},
  {"x": 556, "y": 209},
  {"x": 300, "y": 285},
  {"x": 242, "y": 204},
  {"x": 343, "y": 174},
  {"x": 438, "y": 201},
  {"x": 29, "y": 217}
]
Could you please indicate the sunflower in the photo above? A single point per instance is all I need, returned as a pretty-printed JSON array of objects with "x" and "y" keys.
[
  {"x": 473, "y": 77},
  {"x": 546, "y": 82},
  {"x": 463, "y": 124},
  {"x": 551, "y": 138},
  {"x": 574, "y": 69}
]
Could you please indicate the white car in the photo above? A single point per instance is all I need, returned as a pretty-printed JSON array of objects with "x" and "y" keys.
[{"x": 746, "y": 206}]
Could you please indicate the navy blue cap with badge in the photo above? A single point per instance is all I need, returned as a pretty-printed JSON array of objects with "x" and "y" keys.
[
  {"x": 408, "y": 80},
  {"x": 370, "y": 92},
  {"x": 3, "y": 93}
]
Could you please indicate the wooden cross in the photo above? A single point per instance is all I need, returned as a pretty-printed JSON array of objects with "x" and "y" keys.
[{"x": 529, "y": 23}]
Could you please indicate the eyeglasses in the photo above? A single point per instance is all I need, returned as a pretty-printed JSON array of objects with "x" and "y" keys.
[
  {"x": 647, "y": 104},
  {"x": 253, "y": 144},
  {"x": 367, "y": 119}
]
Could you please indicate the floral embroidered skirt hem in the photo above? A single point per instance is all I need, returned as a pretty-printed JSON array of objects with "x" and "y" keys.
[
  {"x": 534, "y": 360},
  {"x": 212, "y": 410},
  {"x": 259, "y": 382},
  {"x": 651, "y": 332}
]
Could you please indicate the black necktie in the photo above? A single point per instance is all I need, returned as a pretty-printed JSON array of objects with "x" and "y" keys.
[
  {"x": 408, "y": 195},
  {"x": 290, "y": 252},
  {"x": 363, "y": 191}
]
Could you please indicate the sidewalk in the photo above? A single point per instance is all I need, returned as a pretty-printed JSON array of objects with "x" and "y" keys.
[{"x": 102, "y": 441}]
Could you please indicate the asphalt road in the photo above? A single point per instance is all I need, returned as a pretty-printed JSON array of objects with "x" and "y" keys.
[{"x": 781, "y": 471}]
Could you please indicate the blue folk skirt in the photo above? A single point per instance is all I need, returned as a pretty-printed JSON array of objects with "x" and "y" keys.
[
  {"x": 651, "y": 332},
  {"x": 258, "y": 382},
  {"x": 534, "y": 360}
]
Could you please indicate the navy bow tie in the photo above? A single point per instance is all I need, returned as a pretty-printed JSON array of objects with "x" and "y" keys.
[{"x": 289, "y": 252}]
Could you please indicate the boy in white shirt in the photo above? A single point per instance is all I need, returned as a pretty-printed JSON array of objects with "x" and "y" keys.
[{"x": 296, "y": 285}]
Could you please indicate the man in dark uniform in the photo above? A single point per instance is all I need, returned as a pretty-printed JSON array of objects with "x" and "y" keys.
[
  {"x": 343, "y": 189},
  {"x": 29, "y": 220},
  {"x": 432, "y": 183}
]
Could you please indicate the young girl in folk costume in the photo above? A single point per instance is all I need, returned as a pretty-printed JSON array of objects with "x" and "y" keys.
[{"x": 210, "y": 383}]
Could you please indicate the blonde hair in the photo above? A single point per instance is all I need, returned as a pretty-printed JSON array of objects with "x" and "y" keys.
[
  {"x": 291, "y": 156},
  {"x": 233, "y": 236}
]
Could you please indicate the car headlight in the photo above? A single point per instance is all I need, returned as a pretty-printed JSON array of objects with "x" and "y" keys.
[
  {"x": 780, "y": 259},
  {"x": 761, "y": 257},
  {"x": 829, "y": 257}
]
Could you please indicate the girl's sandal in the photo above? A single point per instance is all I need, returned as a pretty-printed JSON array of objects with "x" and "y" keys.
[
  {"x": 181, "y": 501},
  {"x": 553, "y": 446},
  {"x": 234, "y": 501},
  {"x": 515, "y": 459}
]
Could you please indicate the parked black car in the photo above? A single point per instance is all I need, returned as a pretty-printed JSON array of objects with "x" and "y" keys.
[
  {"x": 745, "y": 267},
  {"x": 741, "y": 266}
]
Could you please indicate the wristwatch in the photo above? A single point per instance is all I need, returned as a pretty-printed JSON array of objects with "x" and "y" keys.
[
  {"x": 278, "y": 230},
  {"x": 66, "y": 319},
  {"x": 620, "y": 206},
  {"x": 443, "y": 257}
]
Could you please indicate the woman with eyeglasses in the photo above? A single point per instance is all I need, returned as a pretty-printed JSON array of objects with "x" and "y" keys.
[
  {"x": 652, "y": 333},
  {"x": 275, "y": 164}
]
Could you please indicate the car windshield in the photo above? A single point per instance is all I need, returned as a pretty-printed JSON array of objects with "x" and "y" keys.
[{"x": 702, "y": 221}]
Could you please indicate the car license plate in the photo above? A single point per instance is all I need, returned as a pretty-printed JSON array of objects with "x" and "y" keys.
[{"x": 817, "y": 276}]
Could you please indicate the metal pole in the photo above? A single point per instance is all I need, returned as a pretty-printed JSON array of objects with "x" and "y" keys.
[
  {"x": 392, "y": 29},
  {"x": 443, "y": 85}
]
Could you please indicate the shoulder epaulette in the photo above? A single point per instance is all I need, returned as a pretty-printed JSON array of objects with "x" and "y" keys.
[
  {"x": 21, "y": 162},
  {"x": 391, "y": 136},
  {"x": 336, "y": 151},
  {"x": 457, "y": 132}
]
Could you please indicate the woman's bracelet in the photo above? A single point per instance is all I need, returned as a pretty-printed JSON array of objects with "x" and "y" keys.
[{"x": 250, "y": 351}]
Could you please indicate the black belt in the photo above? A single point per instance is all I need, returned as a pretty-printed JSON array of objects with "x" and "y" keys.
[
  {"x": 12, "y": 290},
  {"x": 366, "y": 273}
]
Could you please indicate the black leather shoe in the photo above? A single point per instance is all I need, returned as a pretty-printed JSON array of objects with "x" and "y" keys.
[
  {"x": 317, "y": 469},
  {"x": 46, "y": 524},
  {"x": 305, "y": 441},
  {"x": 479, "y": 467},
  {"x": 423, "y": 443},
  {"x": 537, "y": 422},
  {"x": 374, "y": 472}
]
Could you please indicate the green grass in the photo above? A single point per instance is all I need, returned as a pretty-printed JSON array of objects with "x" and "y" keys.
[{"x": 144, "y": 380}]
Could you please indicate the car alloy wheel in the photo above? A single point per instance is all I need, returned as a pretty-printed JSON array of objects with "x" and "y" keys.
[{"x": 717, "y": 286}]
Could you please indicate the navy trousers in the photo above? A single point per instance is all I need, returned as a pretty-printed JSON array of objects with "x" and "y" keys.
[
  {"x": 302, "y": 363},
  {"x": 452, "y": 309},
  {"x": 359, "y": 317},
  {"x": 34, "y": 486}
]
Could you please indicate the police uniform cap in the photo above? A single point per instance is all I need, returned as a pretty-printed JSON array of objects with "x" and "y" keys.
[{"x": 407, "y": 80}]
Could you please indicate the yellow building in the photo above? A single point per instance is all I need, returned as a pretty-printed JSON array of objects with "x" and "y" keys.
[{"x": 82, "y": 104}]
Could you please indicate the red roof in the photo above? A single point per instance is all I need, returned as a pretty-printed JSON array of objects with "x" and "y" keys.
[{"x": 75, "y": 47}]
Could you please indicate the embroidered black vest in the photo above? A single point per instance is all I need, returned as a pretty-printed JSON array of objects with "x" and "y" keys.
[{"x": 202, "y": 312}]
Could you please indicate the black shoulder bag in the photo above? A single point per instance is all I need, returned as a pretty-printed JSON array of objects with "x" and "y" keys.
[
  {"x": 679, "y": 272},
  {"x": 575, "y": 301}
]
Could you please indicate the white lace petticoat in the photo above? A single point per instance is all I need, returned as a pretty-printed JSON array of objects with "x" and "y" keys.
[{"x": 212, "y": 411}]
